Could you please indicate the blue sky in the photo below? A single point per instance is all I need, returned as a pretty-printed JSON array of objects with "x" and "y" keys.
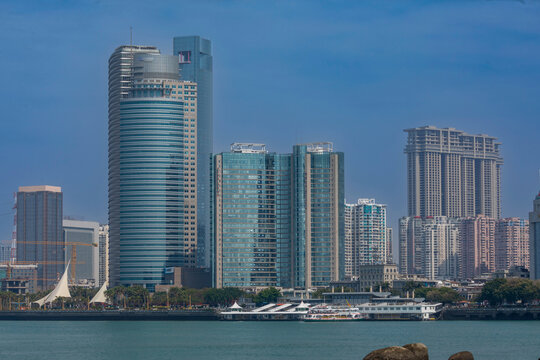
[{"x": 285, "y": 72}]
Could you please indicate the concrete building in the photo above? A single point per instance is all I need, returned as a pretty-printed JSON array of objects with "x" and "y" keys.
[
  {"x": 82, "y": 240},
  {"x": 19, "y": 279},
  {"x": 278, "y": 218},
  {"x": 369, "y": 277},
  {"x": 534, "y": 239},
  {"x": 365, "y": 235},
  {"x": 103, "y": 254},
  {"x": 39, "y": 232},
  {"x": 511, "y": 243},
  {"x": 452, "y": 173},
  {"x": 389, "y": 246},
  {"x": 120, "y": 81},
  {"x": 430, "y": 247},
  {"x": 477, "y": 246},
  {"x": 195, "y": 64}
]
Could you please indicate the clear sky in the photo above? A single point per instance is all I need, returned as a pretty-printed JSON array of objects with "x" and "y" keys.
[{"x": 285, "y": 72}]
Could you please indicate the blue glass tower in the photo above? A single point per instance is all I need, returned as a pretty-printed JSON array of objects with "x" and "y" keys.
[
  {"x": 278, "y": 219},
  {"x": 195, "y": 64}
]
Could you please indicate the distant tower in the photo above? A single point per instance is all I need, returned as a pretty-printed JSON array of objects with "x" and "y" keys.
[
  {"x": 534, "y": 238},
  {"x": 196, "y": 64},
  {"x": 452, "y": 173},
  {"x": 39, "y": 231}
]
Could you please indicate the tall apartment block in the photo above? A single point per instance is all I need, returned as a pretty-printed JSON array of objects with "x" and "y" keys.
[
  {"x": 534, "y": 238},
  {"x": 152, "y": 225},
  {"x": 452, "y": 173},
  {"x": 39, "y": 232},
  {"x": 103, "y": 254},
  {"x": 389, "y": 246},
  {"x": 511, "y": 243},
  {"x": 429, "y": 247},
  {"x": 366, "y": 240},
  {"x": 195, "y": 64},
  {"x": 477, "y": 246},
  {"x": 84, "y": 237},
  {"x": 278, "y": 218},
  {"x": 120, "y": 82}
]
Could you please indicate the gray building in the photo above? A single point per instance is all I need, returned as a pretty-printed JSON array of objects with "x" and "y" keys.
[
  {"x": 120, "y": 81},
  {"x": 103, "y": 254},
  {"x": 452, "y": 173},
  {"x": 82, "y": 241},
  {"x": 196, "y": 65},
  {"x": 534, "y": 236},
  {"x": 39, "y": 232}
]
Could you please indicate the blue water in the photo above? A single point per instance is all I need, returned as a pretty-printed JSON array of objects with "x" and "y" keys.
[{"x": 262, "y": 340}]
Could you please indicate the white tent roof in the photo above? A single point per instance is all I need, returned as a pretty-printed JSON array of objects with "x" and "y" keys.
[
  {"x": 235, "y": 306},
  {"x": 100, "y": 296},
  {"x": 61, "y": 290}
]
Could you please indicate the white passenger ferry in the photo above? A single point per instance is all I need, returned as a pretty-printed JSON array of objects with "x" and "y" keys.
[
  {"x": 334, "y": 313},
  {"x": 375, "y": 311}
]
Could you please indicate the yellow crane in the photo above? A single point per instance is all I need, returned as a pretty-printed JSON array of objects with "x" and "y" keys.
[{"x": 67, "y": 243}]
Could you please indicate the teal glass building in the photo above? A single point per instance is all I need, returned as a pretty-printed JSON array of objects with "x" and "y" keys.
[{"x": 277, "y": 218}]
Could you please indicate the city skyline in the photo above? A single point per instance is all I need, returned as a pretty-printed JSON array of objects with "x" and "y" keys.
[{"x": 241, "y": 116}]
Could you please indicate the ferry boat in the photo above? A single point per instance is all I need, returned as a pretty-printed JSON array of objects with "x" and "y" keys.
[{"x": 332, "y": 313}]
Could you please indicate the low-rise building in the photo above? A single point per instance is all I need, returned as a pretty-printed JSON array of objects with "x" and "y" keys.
[{"x": 369, "y": 276}]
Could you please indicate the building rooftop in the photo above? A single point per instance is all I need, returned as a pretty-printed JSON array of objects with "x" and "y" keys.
[
  {"x": 248, "y": 148},
  {"x": 37, "y": 188}
]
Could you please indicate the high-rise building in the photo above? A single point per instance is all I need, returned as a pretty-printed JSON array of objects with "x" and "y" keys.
[
  {"x": 511, "y": 243},
  {"x": 195, "y": 64},
  {"x": 278, "y": 218},
  {"x": 389, "y": 246},
  {"x": 5, "y": 251},
  {"x": 120, "y": 82},
  {"x": 534, "y": 239},
  {"x": 39, "y": 232},
  {"x": 82, "y": 240},
  {"x": 153, "y": 171},
  {"x": 366, "y": 241},
  {"x": 430, "y": 247},
  {"x": 103, "y": 254},
  {"x": 452, "y": 173},
  {"x": 477, "y": 246}
]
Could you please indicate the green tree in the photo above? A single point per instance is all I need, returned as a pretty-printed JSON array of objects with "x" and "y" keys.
[
  {"x": 443, "y": 295},
  {"x": 159, "y": 298},
  {"x": 267, "y": 295}
]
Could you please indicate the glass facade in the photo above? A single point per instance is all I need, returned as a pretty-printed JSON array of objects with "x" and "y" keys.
[
  {"x": 84, "y": 236},
  {"x": 39, "y": 233},
  {"x": 195, "y": 64},
  {"x": 150, "y": 216},
  {"x": 278, "y": 218}
]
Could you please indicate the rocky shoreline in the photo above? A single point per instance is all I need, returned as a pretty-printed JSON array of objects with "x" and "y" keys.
[{"x": 416, "y": 351}]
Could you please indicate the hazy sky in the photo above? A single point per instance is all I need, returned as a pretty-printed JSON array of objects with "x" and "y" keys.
[{"x": 355, "y": 73}]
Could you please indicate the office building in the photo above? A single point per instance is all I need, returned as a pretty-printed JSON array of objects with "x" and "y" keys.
[
  {"x": 534, "y": 239},
  {"x": 366, "y": 241},
  {"x": 120, "y": 82},
  {"x": 429, "y": 247},
  {"x": 452, "y": 173},
  {"x": 103, "y": 248},
  {"x": 156, "y": 164},
  {"x": 195, "y": 64},
  {"x": 511, "y": 243},
  {"x": 278, "y": 218},
  {"x": 477, "y": 246},
  {"x": 82, "y": 250},
  {"x": 39, "y": 232}
]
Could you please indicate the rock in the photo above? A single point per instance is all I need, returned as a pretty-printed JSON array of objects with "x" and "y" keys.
[
  {"x": 419, "y": 350},
  {"x": 391, "y": 353},
  {"x": 463, "y": 355}
]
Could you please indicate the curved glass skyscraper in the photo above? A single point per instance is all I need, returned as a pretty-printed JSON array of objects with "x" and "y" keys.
[{"x": 150, "y": 188}]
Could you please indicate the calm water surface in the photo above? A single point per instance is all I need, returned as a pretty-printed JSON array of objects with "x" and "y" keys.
[{"x": 262, "y": 340}]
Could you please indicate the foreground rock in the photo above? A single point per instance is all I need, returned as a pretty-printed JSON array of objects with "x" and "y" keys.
[
  {"x": 464, "y": 355},
  {"x": 395, "y": 353},
  {"x": 419, "y": 350}
]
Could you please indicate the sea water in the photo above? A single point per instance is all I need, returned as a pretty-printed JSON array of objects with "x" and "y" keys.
[{"x": 71, "y": 340}]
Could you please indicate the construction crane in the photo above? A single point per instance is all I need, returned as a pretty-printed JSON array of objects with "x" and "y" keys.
[
  {"x": 67, "y": 243},
  {"x": 74, "y": 255}
]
